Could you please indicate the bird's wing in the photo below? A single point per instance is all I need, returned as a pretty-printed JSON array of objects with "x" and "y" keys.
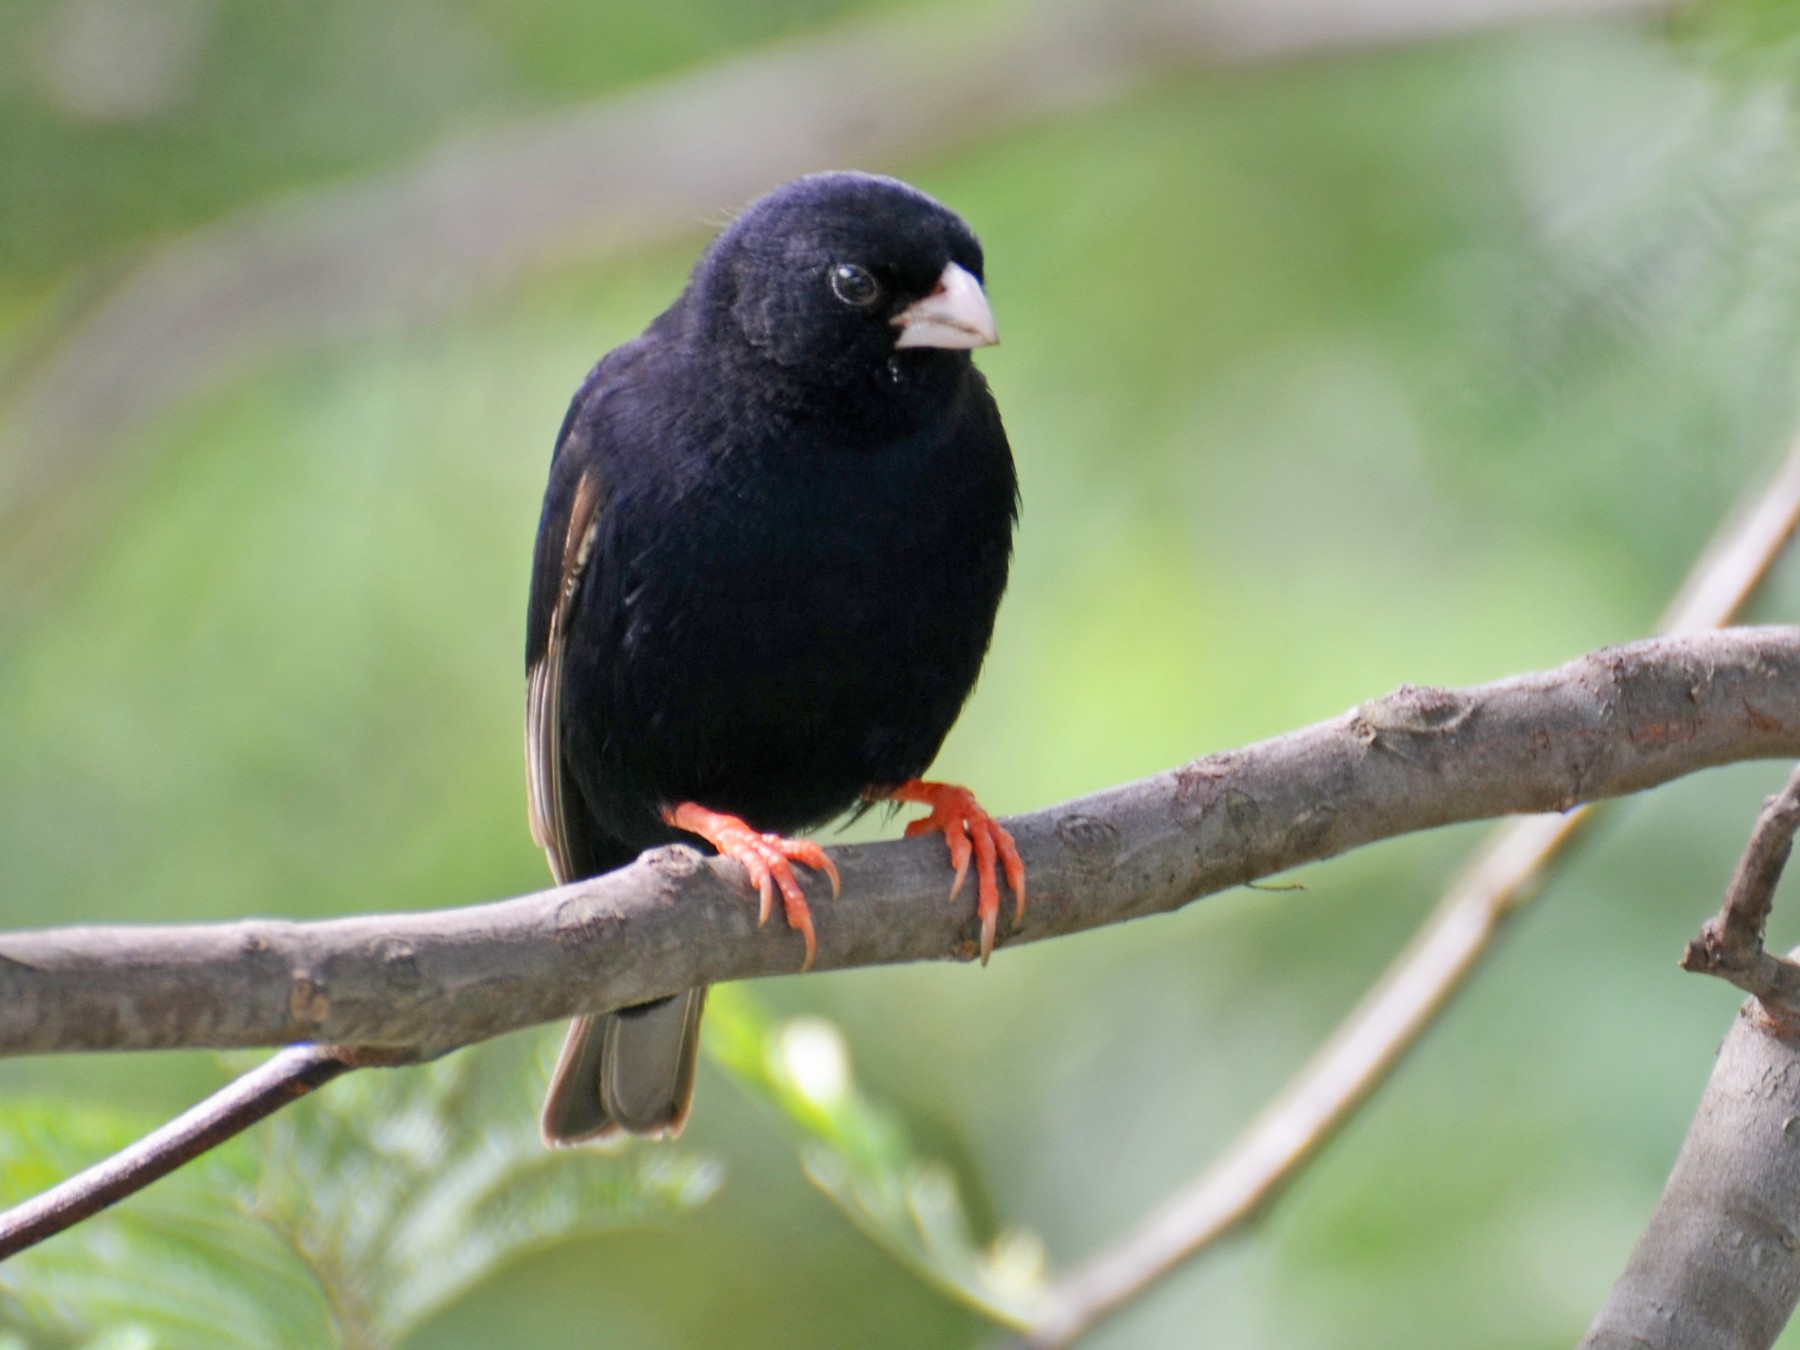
[{"x": 565, "y": 544}]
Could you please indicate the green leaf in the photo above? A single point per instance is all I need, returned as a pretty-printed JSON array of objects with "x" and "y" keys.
[
  {"x": 857, "y": 1152},
  {"x": 403, "y": 1189},
  {"x": 348, "y": 1218},
  {"x": 180, "y": 1264}
]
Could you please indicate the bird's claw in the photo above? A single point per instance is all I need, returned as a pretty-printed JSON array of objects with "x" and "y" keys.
[
  {"x": 769, "y": 859},
  {"x": 971, "y": 833}
]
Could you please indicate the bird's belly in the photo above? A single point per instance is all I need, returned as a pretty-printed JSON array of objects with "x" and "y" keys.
[{"x": 784, "y": 700}]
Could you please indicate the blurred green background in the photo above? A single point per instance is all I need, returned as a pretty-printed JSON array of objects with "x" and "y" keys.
[{"x": 1433, "y": 363}]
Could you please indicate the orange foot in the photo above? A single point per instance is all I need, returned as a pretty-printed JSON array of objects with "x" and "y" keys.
[
  {"x": 968, "y": 830},
  {"x": 768, "y": 858}
]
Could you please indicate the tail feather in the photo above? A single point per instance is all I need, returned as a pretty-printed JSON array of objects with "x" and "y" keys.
[{"x": 629, "y": 1071}]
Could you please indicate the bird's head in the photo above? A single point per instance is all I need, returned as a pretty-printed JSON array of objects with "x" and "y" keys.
[{"x": 844, "y": 278}]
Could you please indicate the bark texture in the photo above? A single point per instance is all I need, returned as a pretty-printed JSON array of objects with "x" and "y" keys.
[
  {"x": 1613, "y": 722},
  {"x": 1718, "y": 1267}
]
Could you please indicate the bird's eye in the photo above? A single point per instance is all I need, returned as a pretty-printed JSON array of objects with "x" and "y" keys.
[{"x": 854, "y": 286}]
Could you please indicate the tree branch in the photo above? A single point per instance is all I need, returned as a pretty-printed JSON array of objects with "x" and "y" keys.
[
  {"x": 247, "y": 1099},
  {"x": 1613, "y": 722},
  {"x": 1502, "y": 876},
  {"x": 1718, "y": 1266},
  {"x": 1730, "y": 944}
]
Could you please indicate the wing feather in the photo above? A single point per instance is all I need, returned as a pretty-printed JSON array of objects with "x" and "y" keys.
[{"x": 543, "y": 699}]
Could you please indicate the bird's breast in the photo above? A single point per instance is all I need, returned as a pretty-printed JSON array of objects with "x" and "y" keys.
[{"x": 800, "y": 635}]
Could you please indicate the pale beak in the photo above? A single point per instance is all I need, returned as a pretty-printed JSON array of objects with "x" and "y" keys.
[{"x": 955, "y": 315}]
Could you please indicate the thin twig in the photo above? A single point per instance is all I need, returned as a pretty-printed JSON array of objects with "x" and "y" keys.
[
  {"x": 285, "y": 1078},
  {"x": 1730, "y": 944},
  {"x": 1718, "y": 1265},
  {"x": 1506, "y": 872}
]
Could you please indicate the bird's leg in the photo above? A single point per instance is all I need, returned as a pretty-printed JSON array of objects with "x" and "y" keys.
[
  {"x": 969, "y": 831},
  {"x": 768, "y": 858}
]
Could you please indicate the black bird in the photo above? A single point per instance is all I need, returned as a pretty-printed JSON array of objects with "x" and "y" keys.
[{"x": 775, "y": 536}]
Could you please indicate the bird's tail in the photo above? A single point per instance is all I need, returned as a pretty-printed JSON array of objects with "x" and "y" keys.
[{"x": 629, "y": 1071}]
